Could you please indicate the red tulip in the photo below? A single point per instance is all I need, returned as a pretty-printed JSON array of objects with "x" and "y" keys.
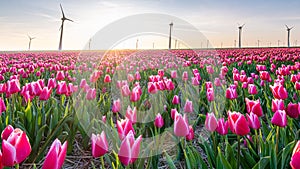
[
  {"x": 254, "y": 107},
  {"x": 2, "y": 106},
  {"x": 16, "y": 148},
  {"x": 277, "y": 104},
  {"x": 45, "y": 94},
  {"x": 159, "y": 121},
  {"x": 293, "y": 110},
  {"x": 253, "y": 121},
  {"x": 191, "y": 134},
  {"x": 124, "y": 126},
  {"x": 222, "y": 127},
  {"x": 297, "y": 85},
  {"x": 238, "y": 123},
  {"x": 107, "y": 79},
  {"x": 264, "y": 75},
  {"x": 129, "y": 149},
  {"x": 296, "y": 157},
  {"x": 56, "y": 155},
  {"x": 181, "y": 125},
  {"x": 279, "y": 118},
  {"x": 211, "y": 122},
  {"x": 99, "y": 144},
  {"x": 116, "y": 107},
  {"x": 131, "y": 114}
]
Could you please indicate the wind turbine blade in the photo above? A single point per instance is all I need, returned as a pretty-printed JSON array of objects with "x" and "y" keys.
[
  {"x": 69, "y": 19},
  {"x": 62, "y": 11},
  {"x": 292, "y": 27},
  {"x": 287, "y": 27},
  {"x": 243, "y": 25}
]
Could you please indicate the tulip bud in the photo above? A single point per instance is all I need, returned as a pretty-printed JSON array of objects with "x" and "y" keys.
[{"x": 159, "y": 121}]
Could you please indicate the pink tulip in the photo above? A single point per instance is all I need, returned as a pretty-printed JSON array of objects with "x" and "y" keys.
[
  {"x": 130, "y": 77},
  {"x": 51, "y": 83},
  {"x": 254, "y": 107},
  {"x": 116, "y": 106},
  {"x": 279, "y": 118},
  {"x": 195, "y": 81},
  {"x": 253, "y": 121},
  {"x": 181, "y": 125},
  {"x": 231, "y": 92},
  {"x": 279, "y": 92},
  {"x": 296, "y": 157},
  {"x": 60, "y": 75},
  {"x": 238, "y": 123},
  {"x": 13, "y": 86},
  {"x": 159, "y": 121},
  {"x": 45, "y": 94},
  {"x": 56, "y": 155},
  {"x": 2, "y": 106},
  {"x": 173, "y": 113},
  {"x": 129, "y": 149},
  {"x": 16, "y": 148},
  {"x": 211, "y": 122},
  {"x": 3, "y": 88},
  {"x": 188, "y": 107},
  {"x": 293, "y": 110},
  {"x": 125, "y": 90},
  {"x": 6, "y": 132},
  {"x": 62, "y": 88},
  {"x": 173, "y": 74},
  {"x": 222, "y": 127},
  {"x": 169, "y": 85},
  {"x": 161, "y": 72},
  {"x": 135, "y": 95},
  {"x": 124, "y": 126},
  {"x": 252, "y": 89},
  {"x": 99, "y": 145},
  {"x": 208, "y": 85},
  {"x": 91, "y": 94},
  {"x": 191, "y": 134},
  {"x": 152, "y": 87},
  {"x": 210, "y": 95},
  {"x": 137, "y": 75},
  {"x": 277, "y": 104},
  {"x": 185, "y": 76},
  {"x": 175, "y": 100},
  {"x": 209, "y": 69},
  {"x": 82, "y": 83},
  {"x": 131, "y": 114}
]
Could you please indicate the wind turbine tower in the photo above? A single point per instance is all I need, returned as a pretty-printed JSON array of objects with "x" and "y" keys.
[
  {"x": 240, "y": 35},
  {"x": 63, "y": 19}
]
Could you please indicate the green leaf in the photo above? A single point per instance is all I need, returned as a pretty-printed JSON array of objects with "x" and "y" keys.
[
  {"x": 170, "y": 161},
  {"x": 223, "y": 160},
  {"x": 262, "y": 163}
]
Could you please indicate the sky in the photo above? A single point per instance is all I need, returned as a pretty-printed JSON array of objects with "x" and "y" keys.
[{"x": 217, "y": 20}]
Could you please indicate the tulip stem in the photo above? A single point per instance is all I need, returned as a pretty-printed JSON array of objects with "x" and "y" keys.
[
  {"x": 257, "y": 142},
  {"x": 238, "y": 151},
  {"x": 102, "y": 162},
  {"x": 277, "y": 138},
  {"x": 17, "y": 166}
]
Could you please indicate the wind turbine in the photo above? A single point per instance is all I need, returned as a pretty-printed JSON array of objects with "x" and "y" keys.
[
  {"x": 30, "y": 39},
  {"x": 288, "y": 30},
  {"x": 63, "y": 19},
  {"x": 171, "y": 26},
  {"x": 137, "y": 44},
  {"x": 240, "y": 35},
  {"x": 90, "y": 41}
]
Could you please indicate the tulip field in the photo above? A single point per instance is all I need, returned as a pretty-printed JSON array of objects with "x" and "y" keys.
[{"x": 224, "y": 108}]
